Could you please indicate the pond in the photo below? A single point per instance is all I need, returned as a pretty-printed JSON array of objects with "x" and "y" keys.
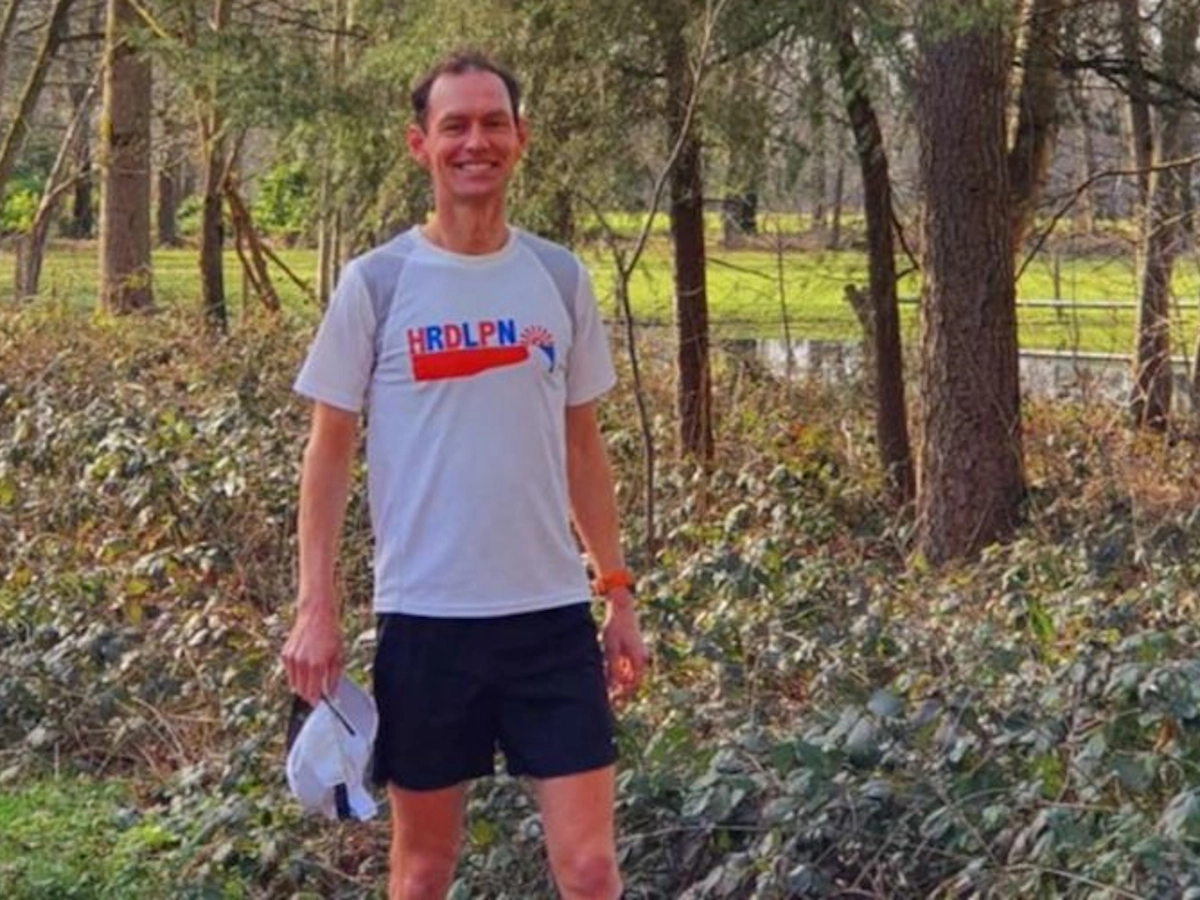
[{"x": 1083, "y": 377}]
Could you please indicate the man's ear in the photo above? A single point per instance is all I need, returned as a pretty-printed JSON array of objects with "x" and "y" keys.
[
  {"x": 414, "y": 136},
  {"x": 522, "y": 132}
]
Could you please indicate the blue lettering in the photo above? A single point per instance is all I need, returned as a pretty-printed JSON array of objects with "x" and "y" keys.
[
  {"x": 506, "y": 330},
  {"x": 467, "y": 336},
  {"x": 433, "y": 338}
]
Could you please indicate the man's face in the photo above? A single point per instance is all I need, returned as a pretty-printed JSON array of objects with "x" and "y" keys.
[{"x": 470, "y": 143}]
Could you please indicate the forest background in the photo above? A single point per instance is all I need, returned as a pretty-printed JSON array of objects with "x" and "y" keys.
[{"x": 918, "y": 632}]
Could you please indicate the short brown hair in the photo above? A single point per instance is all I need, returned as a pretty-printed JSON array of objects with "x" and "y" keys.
[{"x": 457, "y": 63}]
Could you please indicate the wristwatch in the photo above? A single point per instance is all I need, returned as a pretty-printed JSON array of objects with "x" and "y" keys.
[{"x": 606, "y": 581}]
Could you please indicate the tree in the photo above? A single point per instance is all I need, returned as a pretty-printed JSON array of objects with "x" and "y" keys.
[
  {"x": 125, "y": 270},
  {"x": 686, "y": 214},
  {"x": 14, "y": 138},
  {"x": 971, "y": 479},
  {"x": 891, "y": 417},
  {"x": 1150, "y": 401},
  {"x": 31, "y": 250},
  {"x": 1037, "y": 111}
]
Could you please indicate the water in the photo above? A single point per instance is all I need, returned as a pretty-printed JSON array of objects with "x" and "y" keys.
[{"x": 1095, "y": 377}]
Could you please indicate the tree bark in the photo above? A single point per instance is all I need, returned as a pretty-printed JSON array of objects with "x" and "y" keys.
[
  {"x": 18, "y": 130},
  {"x": 834, "y": 241},
  {"x": 687, "y": 234},
  {"x": 1037, "y": 112},
  {"x": 817, "y": 150},
  {"x": 32, "y": 254},
  {"x": 212, "y": 230},
  {"x": 1141, "y": 133},
  {"x": 8, "y": 21},
  {"x": 329, "y": 224},
  {"x": 168, "y": 205},
  {"x": 971, "y": 477},
  {"x": 1086, "y": 216},
  {"x": 82, "y": 223},
  {"x": 891, "y": 418},
  {"x": 125, "y": 272},
  {"x": 1150, "y": 400}
]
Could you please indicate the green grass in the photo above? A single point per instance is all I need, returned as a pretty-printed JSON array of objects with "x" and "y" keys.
[
  {"x": 65, "y": 839},
  {"x": 744, "y": 288}
]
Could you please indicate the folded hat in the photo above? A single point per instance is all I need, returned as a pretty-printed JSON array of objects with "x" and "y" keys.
[{"x": 329, "y": 754}]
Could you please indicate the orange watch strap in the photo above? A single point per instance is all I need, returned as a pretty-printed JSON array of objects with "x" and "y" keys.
[{"x": 606, "y": 581}]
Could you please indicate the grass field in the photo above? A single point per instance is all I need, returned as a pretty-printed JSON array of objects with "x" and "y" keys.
[{"x": 748, "y": 292}]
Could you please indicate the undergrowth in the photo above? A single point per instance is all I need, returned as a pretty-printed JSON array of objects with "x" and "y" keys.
[{"x": 826, "y": 718}]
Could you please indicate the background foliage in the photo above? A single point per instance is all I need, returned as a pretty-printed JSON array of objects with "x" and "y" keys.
[{"x": 827, "y": 717}]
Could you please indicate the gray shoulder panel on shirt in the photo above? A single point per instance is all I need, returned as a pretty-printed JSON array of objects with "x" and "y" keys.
[
  {"x": 560, "y": 264},
  {"x": 380, "y": 270}
]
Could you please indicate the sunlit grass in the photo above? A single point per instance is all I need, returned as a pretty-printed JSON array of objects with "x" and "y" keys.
[{"x": 751, "y": 293}]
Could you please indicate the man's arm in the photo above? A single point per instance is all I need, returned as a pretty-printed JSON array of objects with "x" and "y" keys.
[
  {"x": 594, "y": 509},
  {"x": 312, "y": 655}
]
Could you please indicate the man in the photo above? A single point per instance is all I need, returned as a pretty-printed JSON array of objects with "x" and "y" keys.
[{"x": 480, "y": 354}]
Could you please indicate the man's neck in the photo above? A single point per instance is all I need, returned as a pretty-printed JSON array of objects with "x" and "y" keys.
[{"x": 471, "y": 232}]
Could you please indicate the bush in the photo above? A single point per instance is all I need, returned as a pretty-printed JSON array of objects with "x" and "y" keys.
[
  {"x": 19, "y": 204},
  {"x": 824, "y": 720},
  {"x": 284, "y": 206}
]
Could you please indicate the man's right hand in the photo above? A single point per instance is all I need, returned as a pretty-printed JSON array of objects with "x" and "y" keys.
[{"x": 313, "y": 655}]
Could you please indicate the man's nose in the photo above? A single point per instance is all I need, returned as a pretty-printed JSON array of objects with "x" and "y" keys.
[{"x": 475, "y": 135}]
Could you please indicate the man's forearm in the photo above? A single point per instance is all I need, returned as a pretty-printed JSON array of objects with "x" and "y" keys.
[
  {"x": 593, "y": 500},
  {"x": 324, "y": 489}
]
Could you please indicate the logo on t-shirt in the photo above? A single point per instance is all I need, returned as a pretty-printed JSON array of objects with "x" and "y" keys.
[{"x": 462, "y": 349}]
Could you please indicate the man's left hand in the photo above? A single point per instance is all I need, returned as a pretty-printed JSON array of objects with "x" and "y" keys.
[{"x": 625, "y": 653}]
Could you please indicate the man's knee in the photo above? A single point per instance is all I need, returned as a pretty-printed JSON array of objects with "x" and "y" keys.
[
  {"x": 419, "y": 877},
  {"x": 589, "y": 874}
]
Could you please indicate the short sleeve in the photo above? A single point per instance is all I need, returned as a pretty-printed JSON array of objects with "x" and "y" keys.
[
  {"x": 590, "y": 370},
  {"x": 338, "y": 368}
]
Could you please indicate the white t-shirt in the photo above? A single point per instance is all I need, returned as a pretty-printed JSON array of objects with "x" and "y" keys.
[{"x": 466, "y": 386}]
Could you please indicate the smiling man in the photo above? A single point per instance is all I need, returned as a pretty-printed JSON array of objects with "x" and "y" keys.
[{"x": 478, "y": 353}]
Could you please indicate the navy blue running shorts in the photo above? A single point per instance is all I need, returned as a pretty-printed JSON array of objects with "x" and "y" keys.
[{"x": 452, "y": 692}]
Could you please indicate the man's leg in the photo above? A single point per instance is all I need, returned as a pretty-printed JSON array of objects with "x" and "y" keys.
[
  {"x": 577, "y": 812},
  {"x": 426, "y": 833}
]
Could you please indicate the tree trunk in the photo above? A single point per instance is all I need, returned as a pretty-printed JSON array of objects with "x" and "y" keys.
[
  {"x": 1037, "y": 112},
  {"x": 83, "y": 218},
  {"x": 564, "y": 216},
  {"x": 125, "y": 272},
  {"x": 168, "y": 205},
  {"x": 834, "y": 242},
  {"x": 687, "y": 235},
  {"x": 971, "y": 478},
  {"x": 329, "y": 224},
  {"x": 212, "y": 229},
  {"x": 32, "y": 254},
  {"x": 1141, "y": 134},
  {"x": 1150, "y": 400},
  {"x": 18, "y": 130},
  {"x": 82, "y": 80},
  {"x": 1086, "y": 215},
  {"x": 816, "y": 128},
  {"x": 8, "y": 21},
  {"x": 212, "y": 234},
  {"x": 891, "y": 418}
]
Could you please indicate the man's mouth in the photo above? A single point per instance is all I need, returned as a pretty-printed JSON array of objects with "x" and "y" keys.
[{"x": 475, "y": 166}]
